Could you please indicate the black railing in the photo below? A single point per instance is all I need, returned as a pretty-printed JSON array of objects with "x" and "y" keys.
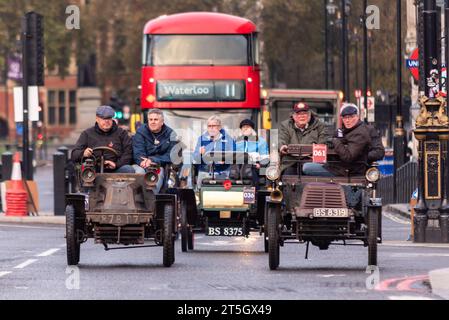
[{"x": 406, "y": 184}]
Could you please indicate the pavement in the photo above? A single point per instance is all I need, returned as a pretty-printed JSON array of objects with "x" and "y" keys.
[{"x": 43, "y": 218}]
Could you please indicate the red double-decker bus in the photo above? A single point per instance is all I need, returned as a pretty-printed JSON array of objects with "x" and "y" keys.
[{"x": 200, "y": 64}]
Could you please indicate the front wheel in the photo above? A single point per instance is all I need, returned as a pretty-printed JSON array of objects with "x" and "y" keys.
[
  {"x": 73, "y": 245},
  {"x": 373, "y": 231},
  {"x": 184, "y": 228},
  {"x": 168, "y": 240},
  {"x": 265, "y": 232},
  {"x": 273, "y": 236}
]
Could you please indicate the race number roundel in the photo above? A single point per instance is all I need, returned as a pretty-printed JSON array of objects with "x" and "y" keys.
[{"x": 319, "y": 153}]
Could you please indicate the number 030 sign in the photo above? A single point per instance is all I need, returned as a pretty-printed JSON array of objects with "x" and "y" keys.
[{"x": 319, "y": 153}]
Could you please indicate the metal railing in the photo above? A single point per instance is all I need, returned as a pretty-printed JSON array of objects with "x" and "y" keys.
[{"x": 406, "y": 182}]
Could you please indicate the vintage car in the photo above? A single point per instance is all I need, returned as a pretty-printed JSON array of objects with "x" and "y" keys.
[
  {"x": 233, "y": 206},
  {"x": 119, "y": 209},
  {"x": 322, "y": 210}
]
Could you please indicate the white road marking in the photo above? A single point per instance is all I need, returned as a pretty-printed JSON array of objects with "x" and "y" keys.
[
  {"x": 409, "y": 298},
  {"x": 395, "y": 218},
  {"x": 48, "y": 252},
  {"x": 330, "y": 275},
  {"x": 412, "y": 244},
  {"x": 25, "y": 264},
  {"x": 413, "y": 254},
  {"x": 4, "y": 273}
]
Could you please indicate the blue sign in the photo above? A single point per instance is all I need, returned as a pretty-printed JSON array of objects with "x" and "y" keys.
[
  {"x": 386, "y": 165},
  {"x": 19, "y": 128}
]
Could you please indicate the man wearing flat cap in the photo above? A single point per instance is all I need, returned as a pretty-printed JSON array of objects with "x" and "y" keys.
[
  {"x": 106, "y": 133},
  {"x": 352, "y": 143},
  {"x": 303, "y": 127}
]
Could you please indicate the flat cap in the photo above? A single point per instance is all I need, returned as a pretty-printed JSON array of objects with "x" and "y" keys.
[
  {"x": 105, "y": 112},
  {"x": 349, "y": 109}
]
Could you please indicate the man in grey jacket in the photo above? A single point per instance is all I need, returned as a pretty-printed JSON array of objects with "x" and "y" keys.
[{"x": 302, "y": 128}]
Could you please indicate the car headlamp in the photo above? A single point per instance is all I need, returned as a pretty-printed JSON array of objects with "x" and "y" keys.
[
  {"x": 151, "y": 177},
  {"x": 372, "y": 175},
  {"x": 171, "y": 183},
  {"x": 273, "y": 173},
  {"x": 88, "y": 174}
]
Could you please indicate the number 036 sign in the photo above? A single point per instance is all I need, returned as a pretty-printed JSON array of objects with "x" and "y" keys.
[{"x": 319, "y": 153}]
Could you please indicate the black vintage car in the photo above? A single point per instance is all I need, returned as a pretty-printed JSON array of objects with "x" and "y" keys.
[
  {"x": 119, "y": 209},
  {"x": 322, "y": 210}
]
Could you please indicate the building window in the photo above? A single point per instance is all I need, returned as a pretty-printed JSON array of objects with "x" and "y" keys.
[
  {"x": 51, "y": 107},
  {"x": 62, "y": 105},
  {"x": 72, "y": 107}
]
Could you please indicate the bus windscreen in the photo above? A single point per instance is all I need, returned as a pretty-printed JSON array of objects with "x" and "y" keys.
[{"x": 196, "y": 50}]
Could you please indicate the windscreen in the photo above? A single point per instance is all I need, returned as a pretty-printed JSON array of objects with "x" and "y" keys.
[{"x": 196, "y": 50}]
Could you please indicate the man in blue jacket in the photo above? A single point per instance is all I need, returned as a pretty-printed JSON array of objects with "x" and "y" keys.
[
  {"x": 152, "y": 145},
  {"x": 214, "y": 139}
]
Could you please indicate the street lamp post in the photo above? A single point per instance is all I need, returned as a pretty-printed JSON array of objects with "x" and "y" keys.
[
  {"x": 326, "y": 48},
  {"x": 432, "y": 132},
  {"x": 365, "y": 58},
  {"x": 343, "y": 49},
  {"x": 399, "y": 133},
  {"x": 331, "y": 9}
]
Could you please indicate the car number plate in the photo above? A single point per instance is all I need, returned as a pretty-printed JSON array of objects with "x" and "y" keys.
[
  {"x": 224, "y": 231},
  {"x": 330, "y": 212},
  {"x": 120, "y": 219}
]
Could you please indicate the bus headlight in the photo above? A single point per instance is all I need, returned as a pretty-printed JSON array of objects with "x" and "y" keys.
[
  {"x": 273, "y": 173},
  {"x": 372, "y": 175}
]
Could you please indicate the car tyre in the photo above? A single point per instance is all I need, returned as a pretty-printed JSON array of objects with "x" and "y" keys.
[
  {"x": 168, "y": 240},
  {"x": 184, "y": 228},
  {"x": 373, "y": 231},
  {"x": 73, "y": 245},
  {"x": 265, "y": 231},
  {"x": 273, "y": 236}
]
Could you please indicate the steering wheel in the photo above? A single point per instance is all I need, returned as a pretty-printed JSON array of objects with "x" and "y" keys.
[{"x": 102, "y": 151}]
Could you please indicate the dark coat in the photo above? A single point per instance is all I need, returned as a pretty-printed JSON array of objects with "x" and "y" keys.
[
  {"x": 116, "y": 138},
  {"x": 144, "y": 146},
  {"x": 290, "y": 134},
  {"x": 377, "y": 150},
  {"x": 352, "y": 150}
]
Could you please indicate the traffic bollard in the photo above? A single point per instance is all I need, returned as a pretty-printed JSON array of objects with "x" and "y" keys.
[
  {"x": 59, "y": 183},
  {"x": 30, "y": 171},
  {"x": 6, "y": 166},
  {"x": 64, "y": 150}
]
